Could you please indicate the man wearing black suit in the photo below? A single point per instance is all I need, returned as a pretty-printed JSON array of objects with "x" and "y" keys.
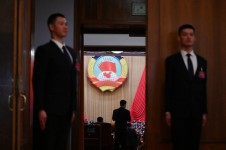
[
  {"x": 185, "y": 92},
  {"x": 121, "y": 116},
  {"x": 54, "y": 85}
]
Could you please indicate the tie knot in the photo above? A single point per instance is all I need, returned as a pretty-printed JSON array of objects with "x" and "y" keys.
[
  {"x": 188, "y": 54},
  {"x": 64, "y": 48}
]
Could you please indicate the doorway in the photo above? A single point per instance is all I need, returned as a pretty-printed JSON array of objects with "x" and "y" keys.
[{"x": 100, "y": 100}]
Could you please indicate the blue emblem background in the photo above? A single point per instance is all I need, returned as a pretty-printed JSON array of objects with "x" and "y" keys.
[{"x": 100, "y": 59}]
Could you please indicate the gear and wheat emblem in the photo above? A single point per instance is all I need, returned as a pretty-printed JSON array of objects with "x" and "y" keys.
[{"x": 107, "y": 72}]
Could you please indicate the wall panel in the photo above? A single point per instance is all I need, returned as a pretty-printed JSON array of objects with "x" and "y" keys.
[
  {"x": 109, "y": 12},
  {"x": 164, "y": 18}
]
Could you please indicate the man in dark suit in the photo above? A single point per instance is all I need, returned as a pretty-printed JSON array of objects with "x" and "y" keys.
[
  {"x": 185, "y": 92},
  {"x": 121, "y": 116},
  {"x": 132, "y": 138},
  {"x": 54, "y": 86}
]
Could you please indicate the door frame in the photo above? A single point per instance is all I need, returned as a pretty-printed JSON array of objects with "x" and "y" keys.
[{"x": 22, "y": 39}]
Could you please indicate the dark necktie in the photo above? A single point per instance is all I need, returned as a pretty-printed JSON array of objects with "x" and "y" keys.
[
  {"x": 190, "y": 66},
  {"x": 66, "y": 54}
]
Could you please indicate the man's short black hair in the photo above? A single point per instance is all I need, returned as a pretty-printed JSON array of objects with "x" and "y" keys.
[
  {"x": 185, "y": 26},
  {"x": 122, "y": 102},
  {"x": 129, "y": 124},
  {"x": 100, "y": 119},
  {"x": 52, "y": 18}
]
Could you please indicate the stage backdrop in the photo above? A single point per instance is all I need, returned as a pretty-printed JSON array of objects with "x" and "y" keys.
[{"x": 97, "y": 103}]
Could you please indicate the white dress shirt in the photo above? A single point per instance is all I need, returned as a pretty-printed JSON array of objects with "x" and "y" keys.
[{"x": 193, "y": 59}]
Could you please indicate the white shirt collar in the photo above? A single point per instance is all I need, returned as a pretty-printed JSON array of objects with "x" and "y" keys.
[
  {"x": 60, "y": 45},
  {"x": 193, "y": 59},
  {"x": 184, "y": 53}
]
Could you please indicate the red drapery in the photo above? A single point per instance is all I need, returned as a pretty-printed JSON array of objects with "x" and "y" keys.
[{"x": 137, "y": 110}]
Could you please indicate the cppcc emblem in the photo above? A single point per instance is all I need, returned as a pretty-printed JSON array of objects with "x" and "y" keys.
[{"x": 107, "y": 72}]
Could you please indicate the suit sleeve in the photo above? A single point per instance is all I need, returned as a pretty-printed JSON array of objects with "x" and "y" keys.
[
  {"x": 129, "y": 117},
  {"x": 75, "y": 81},
  {"x": 168, "y": 84},
  {"x": 39, "y": 77},
  {"x": 113, "y": 116},
  {"x": 205, "y": 90},
  {"x": 76, "y": 96}
]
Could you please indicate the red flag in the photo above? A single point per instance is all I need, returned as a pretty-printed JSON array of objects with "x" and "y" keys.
[{"x": 137, "y": 110}]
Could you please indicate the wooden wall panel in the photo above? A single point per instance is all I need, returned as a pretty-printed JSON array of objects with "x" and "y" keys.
[
  {"x": 164, "y": 18},
  {"x": 109, "y": 12}
]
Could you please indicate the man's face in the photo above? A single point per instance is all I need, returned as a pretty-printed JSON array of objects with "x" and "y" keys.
[
  {"x": 60, "y": 28},
  {"x": 187, "y": 38}
]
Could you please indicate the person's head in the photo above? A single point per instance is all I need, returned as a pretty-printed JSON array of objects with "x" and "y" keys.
[
  {"x": 186, "y": 36},
  {"x": 129, "y": 125},
  {"x": 123, "y": 103},
  {"x": 58, "y": 26},
  {"x": 99, "y": 119}
]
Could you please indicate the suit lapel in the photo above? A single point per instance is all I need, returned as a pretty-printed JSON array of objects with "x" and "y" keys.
[
  {"x": 182, "y": 63},
  {"x": 199, "y": 66},
  {"x": 70, "y": 51},
  {"x": 59, "y": 52},
  {"x": 183, "y": 67}
]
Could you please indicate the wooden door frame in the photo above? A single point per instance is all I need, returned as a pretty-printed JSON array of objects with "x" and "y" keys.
[
  {"x": 154, "y": 88},
  {"x": 23, "y": 31}
]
